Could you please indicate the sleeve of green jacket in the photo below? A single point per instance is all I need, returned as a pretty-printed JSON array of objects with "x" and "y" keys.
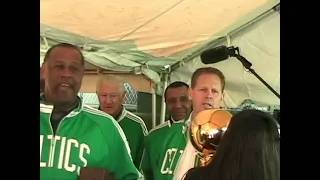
[
  {"x": 137, "y": 155},
  {"x": 120, "y": 165},
  {"x": 146, "y": 166}
]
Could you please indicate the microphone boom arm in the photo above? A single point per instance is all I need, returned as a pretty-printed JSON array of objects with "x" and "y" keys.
[{"x": 234, "y": 52}]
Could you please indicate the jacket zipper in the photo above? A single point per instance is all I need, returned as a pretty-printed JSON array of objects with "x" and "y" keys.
[{"x": 53, "y": 141}]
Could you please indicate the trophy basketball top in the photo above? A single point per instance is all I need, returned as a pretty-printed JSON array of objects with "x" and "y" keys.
[{"x": 207, "y": 129}]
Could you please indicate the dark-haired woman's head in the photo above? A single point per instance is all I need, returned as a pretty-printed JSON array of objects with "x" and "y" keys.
[{"x": 249, "y": 149}]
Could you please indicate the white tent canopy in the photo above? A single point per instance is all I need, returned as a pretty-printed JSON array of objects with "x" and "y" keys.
[{"x": 147, "y": 37}]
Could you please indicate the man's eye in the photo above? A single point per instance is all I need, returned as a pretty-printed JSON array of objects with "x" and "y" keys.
[
  {"x": 216, "y": 91},
  {"x": 113, "y": 95},
  {"x": 184, "y": 99},
  {"x": 74, "y": 68},
  {"x": 58, "y": 66},
  {"x": 171, "y": 101}
]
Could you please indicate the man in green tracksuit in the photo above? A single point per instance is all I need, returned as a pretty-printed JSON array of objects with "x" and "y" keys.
[
  {"x": 165, "y": 142},
  {"x": 111, "y": 94},
  {"x": 73, "y": 135},
  {"x": 206, "y": 92}
]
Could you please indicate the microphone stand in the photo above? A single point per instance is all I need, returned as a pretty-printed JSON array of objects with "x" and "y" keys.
[{"x": 248, "y": 65}]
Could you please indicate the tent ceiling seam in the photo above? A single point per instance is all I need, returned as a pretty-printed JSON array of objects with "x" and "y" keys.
[{"x": 151, "y": 20}]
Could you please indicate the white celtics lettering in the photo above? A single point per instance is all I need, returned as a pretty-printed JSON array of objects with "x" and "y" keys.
[
  {"x": 67, "y": 147},
  {"x": 170, "y": 160}
]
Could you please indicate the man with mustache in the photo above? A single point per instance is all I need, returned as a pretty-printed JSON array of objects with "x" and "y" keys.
[
  {"x": 179, "y": 107},
  {"x": 206, "y": 92},
  {"x": 111, "y": 93},
  {"x": 73, "y": 135}
]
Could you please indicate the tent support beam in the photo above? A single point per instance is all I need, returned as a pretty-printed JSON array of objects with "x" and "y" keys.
[
  {"x": 163, "y": 104},
  {"x": 154, "y": 106},
  {"x": 214, "y": 42}
]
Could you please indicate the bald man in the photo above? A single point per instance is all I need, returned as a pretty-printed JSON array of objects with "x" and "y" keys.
[{"x": 111, "y": 93}]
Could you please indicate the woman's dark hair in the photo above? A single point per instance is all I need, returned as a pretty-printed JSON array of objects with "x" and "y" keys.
[{"x": 249, "y": 150}]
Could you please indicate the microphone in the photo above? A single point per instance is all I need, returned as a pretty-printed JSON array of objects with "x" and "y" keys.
[
  {"x": 221, "y": 53},
  {"x": 216, "y": 54}
]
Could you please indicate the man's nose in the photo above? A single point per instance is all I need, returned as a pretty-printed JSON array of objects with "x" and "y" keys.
[
  {"x": 108, "y": 100},
  {"x": 65, "y": 72},
  {"x": 178, "y": 104},
  {"x": 209, "y": 95}
]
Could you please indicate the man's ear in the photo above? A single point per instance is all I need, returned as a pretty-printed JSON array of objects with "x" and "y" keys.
[
  {"x": 223, "y": 95},
  {"x": 124, "y": 94},
  {"x": 43, "y": 71},
  {"x": 222, "y": 103},
  {"x": 190, "y": 91}
]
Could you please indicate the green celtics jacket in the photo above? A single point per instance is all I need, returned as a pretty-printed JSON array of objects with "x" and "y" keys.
[{"x": 86, "y": 137}]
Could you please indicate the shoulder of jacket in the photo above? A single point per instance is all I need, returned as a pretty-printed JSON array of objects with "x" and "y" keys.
[
  {"x": 138, "y": 120},
  {"x": 160, "y": 127},
  {"x": 104, "y": 121}
]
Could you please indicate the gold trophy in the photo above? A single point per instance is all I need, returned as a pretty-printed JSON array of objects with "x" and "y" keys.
[{"x": 206, "y": 131}]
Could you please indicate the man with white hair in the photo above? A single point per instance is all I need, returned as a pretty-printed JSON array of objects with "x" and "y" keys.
[{"x": 111, "y": 93}]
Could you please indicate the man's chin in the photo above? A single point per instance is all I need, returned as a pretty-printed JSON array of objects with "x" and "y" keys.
[
  {"x": 108, "y": 110},
  {"x": 69, "y": 98},
  {"x": 66, "y": 98},
  {"x": 178, "y": 117}
]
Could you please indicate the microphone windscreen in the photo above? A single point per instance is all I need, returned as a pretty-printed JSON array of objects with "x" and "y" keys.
[{"x": 214, "y": 55}]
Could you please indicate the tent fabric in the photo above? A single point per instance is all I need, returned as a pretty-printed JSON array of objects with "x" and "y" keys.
[
  {"x": 260, "y": 45},
  {"x": 146, "y": 37}
]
